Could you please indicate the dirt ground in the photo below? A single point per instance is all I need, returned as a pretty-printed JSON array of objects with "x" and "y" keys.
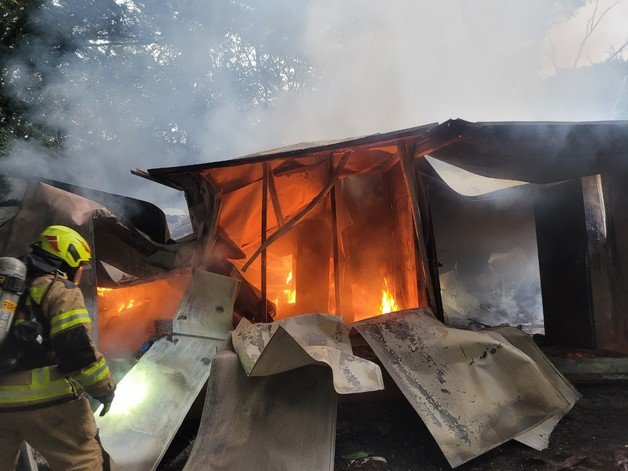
[
  {"x": 592, "y": 436},
  {"x": 389, "y": 435}
]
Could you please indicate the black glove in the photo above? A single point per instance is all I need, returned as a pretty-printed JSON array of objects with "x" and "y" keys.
[{"x": 106, "y": 401}]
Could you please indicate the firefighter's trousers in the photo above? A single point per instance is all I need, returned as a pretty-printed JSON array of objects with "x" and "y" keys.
[{"x": 65, "y": 434}]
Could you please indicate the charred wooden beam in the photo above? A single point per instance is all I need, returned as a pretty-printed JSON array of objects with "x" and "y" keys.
[
  {"x": 599, "y": 262},
  {"x": 275, "y": 200},
  {"x": 334, "y": 232},
  {"x": 426, "y": 288},
  {"x": 263, "y": 238}
]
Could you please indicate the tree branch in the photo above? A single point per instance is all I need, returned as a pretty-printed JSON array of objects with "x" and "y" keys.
[
  {"x": 617, "y": 52},
  {"x": 591, "y": 25}
]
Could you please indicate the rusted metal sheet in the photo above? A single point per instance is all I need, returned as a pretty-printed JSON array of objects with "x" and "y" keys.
[
  {"x": 538, "y": 437},
  {"x": 473, "y": 392},
  {"x": 153, "y": 398},
  {"x": 286, "y": 344},
  {"x": 281, "y": 422}
]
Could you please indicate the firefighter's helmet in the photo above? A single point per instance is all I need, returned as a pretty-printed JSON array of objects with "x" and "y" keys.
[{"x": 66, "y": 244}]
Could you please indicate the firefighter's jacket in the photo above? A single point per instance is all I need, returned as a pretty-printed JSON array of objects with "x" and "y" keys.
[{"x": 68, "y": 362}]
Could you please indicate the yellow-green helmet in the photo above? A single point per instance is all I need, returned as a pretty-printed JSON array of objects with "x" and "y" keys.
[{"x": 65, "y": 244}]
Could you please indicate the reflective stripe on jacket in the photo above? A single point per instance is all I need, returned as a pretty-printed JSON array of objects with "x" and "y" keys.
[
  {"x": 80, "y": 366},
  {"x": 47, "y": 384},
  {"x": 34, "y": 387}
]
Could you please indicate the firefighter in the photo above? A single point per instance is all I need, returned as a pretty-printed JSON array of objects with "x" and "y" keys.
[{"x": 55, "y": 362}]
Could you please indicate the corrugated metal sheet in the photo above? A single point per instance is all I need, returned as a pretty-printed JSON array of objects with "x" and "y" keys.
[
  {"x": 281, "y": 422},
  {"x": 286, "y": 344},
  {"x": 473, "y": 391}
]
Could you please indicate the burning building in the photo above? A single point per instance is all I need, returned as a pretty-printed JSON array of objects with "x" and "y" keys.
[
  {"x": 365, "y": 234},
  {"x": 349, "y": 227}
]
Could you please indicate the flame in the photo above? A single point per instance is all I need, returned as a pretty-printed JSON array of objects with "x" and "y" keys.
[
  {"x": 290, "y": 294},
  {"x": 388, "y": 303},
  {"x": 128, "y": 305},
  {"x": 120, "y": 306}
]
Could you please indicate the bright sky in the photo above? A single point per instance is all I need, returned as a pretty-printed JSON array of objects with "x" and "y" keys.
[{"x": 565, "y": 38}]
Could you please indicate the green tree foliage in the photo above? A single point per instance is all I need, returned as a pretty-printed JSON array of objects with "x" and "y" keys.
[
  {"x": 75, "y": 64},
  {"x": 15, "y": 31}
]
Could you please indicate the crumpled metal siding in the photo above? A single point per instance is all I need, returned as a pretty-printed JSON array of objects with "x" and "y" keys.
[
  {"x": 285, "y": 421},
  {"x": 474, "y": 392},
  {"x": 286, "y": 344}
]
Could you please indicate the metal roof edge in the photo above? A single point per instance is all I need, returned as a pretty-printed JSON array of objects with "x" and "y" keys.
[{"x": 295, "y": 150}]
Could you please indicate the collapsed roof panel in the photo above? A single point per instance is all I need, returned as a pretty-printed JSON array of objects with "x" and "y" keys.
[
  {"x": 296, "y": 151},
  {"x": 527, "y": 151},
  {"x": 540, "y": 152}
]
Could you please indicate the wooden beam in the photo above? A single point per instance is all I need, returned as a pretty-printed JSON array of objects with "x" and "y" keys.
[
  {"x": 334, "y": 232},
  {"x": 263, "y": 242},
  {"x": 599, "y": 262},
  {"x": 301, "y": 214},
  {"x": 406, "y": 156},
  {"x": 208, "y": 210},
  {"x": 275, "y": 200}
]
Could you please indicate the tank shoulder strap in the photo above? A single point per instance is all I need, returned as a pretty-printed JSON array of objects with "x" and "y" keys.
[{"x": 36, "y": 299}]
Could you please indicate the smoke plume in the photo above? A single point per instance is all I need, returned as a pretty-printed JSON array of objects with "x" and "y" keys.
[{"x": 169, "y": 83}]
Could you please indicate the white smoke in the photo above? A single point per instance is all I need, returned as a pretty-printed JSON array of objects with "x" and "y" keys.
[{"x": 184, "y": 82}]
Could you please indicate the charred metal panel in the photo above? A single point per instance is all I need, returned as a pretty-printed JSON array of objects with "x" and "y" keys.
[
  {"x": 281, "y": 422},
  {"x": 473, "y": 392},
  {"x": 565, "y": 284},
  {"x": 539, "y": 152},
  {"x": 145, "y": 216},
  {"x": 44, "y": 205}
]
